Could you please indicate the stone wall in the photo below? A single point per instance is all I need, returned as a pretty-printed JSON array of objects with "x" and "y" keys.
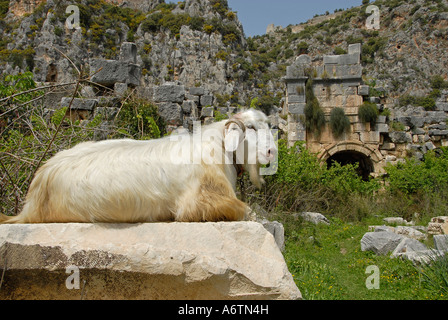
[
  {"x": 178, "y": 105},
  {"x": 338, "y": 82}
]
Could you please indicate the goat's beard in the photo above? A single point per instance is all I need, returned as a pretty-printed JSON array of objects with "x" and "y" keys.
[{"x": 254, "y": 175}]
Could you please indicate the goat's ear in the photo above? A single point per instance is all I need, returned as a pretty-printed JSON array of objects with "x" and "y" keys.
[{"x": 233, "y": 135}]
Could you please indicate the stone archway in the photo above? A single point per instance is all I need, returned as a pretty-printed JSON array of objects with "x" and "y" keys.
[{"x": 349, "y": 152}]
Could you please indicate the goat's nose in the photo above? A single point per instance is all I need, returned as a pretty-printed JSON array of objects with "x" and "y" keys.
[{"x": 272, "y": 152}]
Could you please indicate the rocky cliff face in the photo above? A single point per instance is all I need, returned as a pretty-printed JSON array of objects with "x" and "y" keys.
[
  {"x": 202, "y": 43},
  {"x": 195, "y": 42}
]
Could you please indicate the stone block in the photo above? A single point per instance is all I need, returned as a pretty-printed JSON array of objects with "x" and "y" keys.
[
  {"x": 108, "y": 72},
  {"x": 207, "y": 112},
  {"x": 128, "y": 52},
  {"x": 400, "y": 137},
  {"x": 363, "y": 90},
  {"x": 109, "y": 101},
  {"x": 388, "y": 146},
  {"x": 382, "y": 128},
  {"x": 416, "y": 122},
  {"x": 370, "y": 137},
  {"x": 297, "y": 108},
  {"x": 296, "y": 99},
  {"x": 223, "y": 110},
  {"x": 381, "y": 119},
  {"x": 303, "y": 59},
  {"x": 344, "y": 59},
  {"x": 146, "y": 93},
  {"x": 120, "y": 89},
  {"x": 438, "y": 225},
  {"x": 188, "y": 106},
  {"x": 381, "y": 243},
  {"x": 437, "y": 132},
  {"x": 171, "y": 112},
  {"x": 169, "y": 92},
  {"x": 438, "y": 126},
  {"x": 79, "y": 104},
  {"x": 412, "y": 233},
  {"x": 192, "y": 98},
  {"x": 374, "y": 100},
  {"x": 206, "y": 100},
  {"x": 150, "y": 261},
  {"x": 354, "y": 48},
  {"x": 332, "y": 59},
  {"x": 197, "y": 91}
]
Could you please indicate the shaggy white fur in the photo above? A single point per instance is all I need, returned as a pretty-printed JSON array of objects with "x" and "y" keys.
[{"x": 188, "y": 177}]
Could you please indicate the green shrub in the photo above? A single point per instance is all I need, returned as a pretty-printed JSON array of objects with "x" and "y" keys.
[
  {"x": 339, "y": 51},
  {"x": 339, "y": 122},
  {"x": 4, "y": 7},
  {"x": 438, "y": 82},
  {"x": 303, "y": 183},
  {"x": 414, "y": 176},
  {"x": 373, "y": 46},
  {"x": 427, "y": 102},
  {"x": 302, "y": 47},
  {"x": 368, "y": 112},
  {"x": 139, "y": 119},
  {"x": 314, "y": 115}
]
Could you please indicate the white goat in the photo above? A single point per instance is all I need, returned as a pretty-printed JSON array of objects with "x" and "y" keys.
[{"x": 127, "y": 181}]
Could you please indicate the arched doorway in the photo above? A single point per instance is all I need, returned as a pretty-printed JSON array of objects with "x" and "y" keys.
[
  {"x": 351, "y": 152},
  {"x": 365, "y": 164}
]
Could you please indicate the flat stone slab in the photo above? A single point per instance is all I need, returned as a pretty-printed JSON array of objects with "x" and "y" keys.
[
  {"x": 380, "y": 242},
  {"x": 227, "y": 260}
]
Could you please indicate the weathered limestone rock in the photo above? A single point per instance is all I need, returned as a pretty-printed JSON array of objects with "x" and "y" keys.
[
  {"x": 169, "y": 92},
  {"x": 380, "y": 242},
  {"x": 441, "y": 242},
  {"x": 408, "y": 245},
  {"x": 108, "y": 72},
  {"x": 79, "y": 104},
  {"x": 410, "y": 233},
  {"x": 144, "y": 261},
  {"x": 277, "y": 230},
  {"x": 438, "y": 225},
  {"x": 313, "y": 217}
]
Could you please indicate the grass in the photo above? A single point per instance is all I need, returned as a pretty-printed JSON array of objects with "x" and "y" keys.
[{"x": 327, "y": 264}]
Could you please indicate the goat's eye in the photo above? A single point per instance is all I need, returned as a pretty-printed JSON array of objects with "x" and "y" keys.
[{"x": 250, "y": 126}]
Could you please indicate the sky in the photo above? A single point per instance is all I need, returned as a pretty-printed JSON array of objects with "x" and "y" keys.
[{"x": 256, "y": 15}]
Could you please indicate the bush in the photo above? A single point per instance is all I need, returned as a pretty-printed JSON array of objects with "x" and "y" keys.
[
  {"x": 139, "y": 119},
  {"x": 302, "y": 183},
  {"x": 314, "y": 116},
  {"x": 339, "y": 122},
  {"x": 428, "y": 102},
  {"x": 4, "y": 7},
  {"x": 414, "y": 176},
  {"x": 437, "y": 82},
  {"x": 368, "y": 112}
]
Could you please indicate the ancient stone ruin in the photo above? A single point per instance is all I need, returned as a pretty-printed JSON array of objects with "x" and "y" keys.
[{"x": 338, "y": 82}]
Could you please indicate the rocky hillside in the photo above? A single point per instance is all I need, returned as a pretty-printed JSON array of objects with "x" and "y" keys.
[
  {"x": 202, "y": 43},
  {"x": 196, "y": 42},
  {"x": 404, "y": 56}
]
